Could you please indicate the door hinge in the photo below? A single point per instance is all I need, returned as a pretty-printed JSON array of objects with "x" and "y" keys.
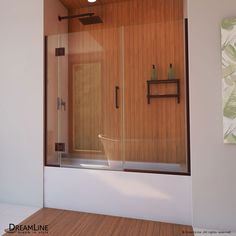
[
  {"x": 59, "y": 52},
  {"x": 60, "y": 147},
  {"x": 61, "y": 104}
]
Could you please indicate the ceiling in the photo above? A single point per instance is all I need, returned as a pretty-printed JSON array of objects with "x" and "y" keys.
[{"x": 75, "y": 4}]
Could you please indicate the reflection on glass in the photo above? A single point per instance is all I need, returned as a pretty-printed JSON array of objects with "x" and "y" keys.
[{"x": 102, "y": 115}]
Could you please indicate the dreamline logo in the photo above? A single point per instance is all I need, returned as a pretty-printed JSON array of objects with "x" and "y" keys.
[{"x": 25, "y": 229}]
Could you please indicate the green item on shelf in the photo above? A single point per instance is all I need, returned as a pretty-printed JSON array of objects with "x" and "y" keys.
[
  {"x": 171, "y": 72},
  {"x": 154, "y": 73}
]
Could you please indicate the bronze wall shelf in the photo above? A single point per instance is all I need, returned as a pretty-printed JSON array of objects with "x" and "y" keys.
[{"x": 167, "y": 81}]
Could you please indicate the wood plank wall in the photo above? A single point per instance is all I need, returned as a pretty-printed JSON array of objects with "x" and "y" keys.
[
  {"x": 74, "y": 4},
  {"x": 91, "y": 50},
  {"x": 153, "y": 32},
  {"x": 87, "y": 106}
]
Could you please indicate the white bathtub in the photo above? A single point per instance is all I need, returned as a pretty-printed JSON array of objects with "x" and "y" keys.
[
  {"x": 74, "y": 162},
  {"x": 112, "y": 159}
]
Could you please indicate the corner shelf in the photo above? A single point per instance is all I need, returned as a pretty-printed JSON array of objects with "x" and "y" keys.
[{"x": 166, "y": 81}]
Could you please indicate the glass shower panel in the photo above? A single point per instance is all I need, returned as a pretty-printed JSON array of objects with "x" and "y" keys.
[
  {"x": 53, "y": 95},
  {"x": 90, "y": 99},
  {"x": 155, "y": 137},
  {"x": 61, "y": 53},
  {"x": 103, "y": 109}
]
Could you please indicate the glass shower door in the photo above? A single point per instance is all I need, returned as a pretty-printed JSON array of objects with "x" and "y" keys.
[
  {"x": 89, "y": 99},
  {"x": 55, "y": 105},
  {"x": 155, "y": 137}
]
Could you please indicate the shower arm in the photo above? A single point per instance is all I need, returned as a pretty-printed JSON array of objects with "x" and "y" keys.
[{"x": 60, "y": 18}]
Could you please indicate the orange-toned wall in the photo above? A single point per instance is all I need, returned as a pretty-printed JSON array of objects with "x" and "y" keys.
[{"x": 145, "y": 33}]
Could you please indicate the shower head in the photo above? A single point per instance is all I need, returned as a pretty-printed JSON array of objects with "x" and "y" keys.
[
  {"x": 85, "y": 19},
  {"x": 60, "y": 18},
  {"x": 91, "y": 20}
]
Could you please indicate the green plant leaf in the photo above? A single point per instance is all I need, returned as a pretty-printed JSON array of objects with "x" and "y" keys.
[
  {"x": 228, "y": 24},
  {"x": 229, "y": 70},
  {"x": 230, "y": 103},
  {"x": 230, "y": 51},
  {"x": 231, "y": 138},
  {"x": 229, "y": 82}
]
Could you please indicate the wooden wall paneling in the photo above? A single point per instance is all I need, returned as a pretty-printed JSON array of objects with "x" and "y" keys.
[
  {"x": 153, "y": 34},
  {"x": 75, "y": 4},
  {"x": 83, "y": 58},
  {"x": 108, "y": 42},
  {"x": 131, "y": 12},
  {"x": 137, "y": 91},
  {"x": 86, "y": 106},
  {"x": 166, "y": 107}
]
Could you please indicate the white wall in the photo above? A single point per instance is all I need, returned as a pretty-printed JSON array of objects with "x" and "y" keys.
[
  {"x": 165, "y": 198},
  {"x": 213, "y": 163},
  {"x": 21, "y": 102}
]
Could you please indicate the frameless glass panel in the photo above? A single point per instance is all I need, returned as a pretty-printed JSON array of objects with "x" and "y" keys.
[
  {"x": 52, "y": 94},
  {"x": 155, "y": 137},
  {"x": 89, "y": 99},
  {"x": 117, "y": 89}
]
